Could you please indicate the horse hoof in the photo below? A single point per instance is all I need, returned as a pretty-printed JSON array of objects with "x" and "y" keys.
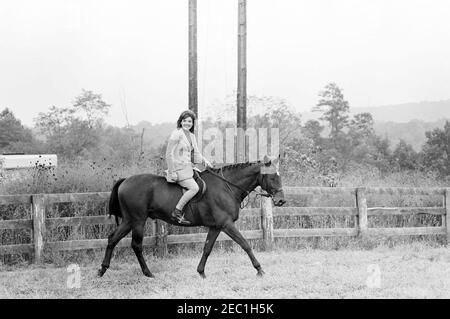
[
  {"x": 260, "y": 273},
  {"x": 202, "y": 274},
  {"x": 148, "y": 274},
  {"x": 101, "y": 272}
]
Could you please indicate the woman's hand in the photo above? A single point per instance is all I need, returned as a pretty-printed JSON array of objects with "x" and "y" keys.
[{"x": 207, "y": 163}]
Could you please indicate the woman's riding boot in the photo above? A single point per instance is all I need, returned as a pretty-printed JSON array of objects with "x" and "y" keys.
[{"x": 179, "y": 216}]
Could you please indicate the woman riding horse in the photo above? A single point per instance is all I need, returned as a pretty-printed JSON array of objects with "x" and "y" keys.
[
  {"x": 138, "y": 197},
  {"x": 181, "y": 154}
]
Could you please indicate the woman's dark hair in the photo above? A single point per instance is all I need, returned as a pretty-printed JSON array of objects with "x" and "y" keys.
[{"x": 185, "y": 114}]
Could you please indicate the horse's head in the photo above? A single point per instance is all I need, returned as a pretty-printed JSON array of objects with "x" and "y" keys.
[{"x": 270, "y": 180}]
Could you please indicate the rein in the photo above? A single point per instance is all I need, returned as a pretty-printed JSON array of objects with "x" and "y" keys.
[{"x": 228, "y": 182}]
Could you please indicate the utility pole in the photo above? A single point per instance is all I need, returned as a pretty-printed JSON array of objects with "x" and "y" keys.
[
  {"x": 193, "y": 90},
  {"x": 242, "y": 81}
]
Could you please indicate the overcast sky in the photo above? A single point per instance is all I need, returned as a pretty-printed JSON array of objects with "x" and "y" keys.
[{"x": 135, "y": 53}]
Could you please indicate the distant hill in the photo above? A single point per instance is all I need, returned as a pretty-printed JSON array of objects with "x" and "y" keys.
[
  {"x": 408, "y": 121},
  {"x": 400, "y": 113},
  {"x": 412, "y": 132}
]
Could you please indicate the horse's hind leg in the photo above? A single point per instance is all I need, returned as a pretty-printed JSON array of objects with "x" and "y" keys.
[
  {"x": 231, "y": 230},
  {"x": 210, "y": 240},
  {"x": 136, "y": 243},
  {"x": 121, "y": 231}
]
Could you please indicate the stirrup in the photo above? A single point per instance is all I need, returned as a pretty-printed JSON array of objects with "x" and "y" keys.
[
  {"x": 179, "y": 216},
  {"x": 183, "y": 221}
]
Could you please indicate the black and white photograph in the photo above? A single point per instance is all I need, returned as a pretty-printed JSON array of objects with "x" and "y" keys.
[{"x": 245, "y": 152}]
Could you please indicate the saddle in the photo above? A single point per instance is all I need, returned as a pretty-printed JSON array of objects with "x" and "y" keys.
[{"x": 191, "y": 206}]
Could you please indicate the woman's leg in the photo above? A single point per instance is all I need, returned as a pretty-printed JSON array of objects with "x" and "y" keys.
[{"x": 192, "y": 187}]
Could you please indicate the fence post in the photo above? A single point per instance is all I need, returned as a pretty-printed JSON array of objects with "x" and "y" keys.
[
  {"x": 447, "y": 213},
  {"x": 161, "y": 238},
  {"x": 38, "y": 211},
  {"x": 267, "y": 222},
  {"x": 361, "y": 204}
]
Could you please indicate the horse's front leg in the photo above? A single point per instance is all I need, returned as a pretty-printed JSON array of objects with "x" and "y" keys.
[
  {"x": 231, "y": 230},
  {"x": 209, "y": 243}
]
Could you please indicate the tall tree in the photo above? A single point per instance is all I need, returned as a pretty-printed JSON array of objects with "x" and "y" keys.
[
  {"x": 54, "y": 122},
  {"x": 381, "y": 155},
  {"x": 312, "y": 129},
  {"x": 436, "y": 151},
  {"x": 404, "y": 156},
  {"x": 274, "y": 112},
  {"x": 92, "y": 107},
  {"x": 74, "y": 131},
  {"x": 334, "y": 109},
  {"x": 361, "y": 126},
  {"x": 13, "y": 132}
]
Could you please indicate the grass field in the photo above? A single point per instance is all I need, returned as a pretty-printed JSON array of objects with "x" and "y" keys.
[{"x": 409, "y": 271}]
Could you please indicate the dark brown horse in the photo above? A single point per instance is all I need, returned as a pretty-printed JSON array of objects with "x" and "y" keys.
[{"x": 141, "y": 196}]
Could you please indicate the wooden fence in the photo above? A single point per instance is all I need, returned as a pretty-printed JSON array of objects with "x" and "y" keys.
[{"x": 160, "y": 239}]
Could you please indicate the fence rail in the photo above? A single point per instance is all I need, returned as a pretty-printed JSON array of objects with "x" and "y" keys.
[{"x": 160, "y": 239}]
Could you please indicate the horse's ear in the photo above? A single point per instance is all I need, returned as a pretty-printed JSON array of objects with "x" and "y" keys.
[{"x": 266, "y": 160}]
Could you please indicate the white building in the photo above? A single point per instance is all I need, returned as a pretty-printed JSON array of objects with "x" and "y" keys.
[{"x": 19, "y": 161}]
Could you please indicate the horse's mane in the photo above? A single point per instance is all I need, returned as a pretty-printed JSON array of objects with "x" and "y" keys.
[{"x": 233, "y": 166}]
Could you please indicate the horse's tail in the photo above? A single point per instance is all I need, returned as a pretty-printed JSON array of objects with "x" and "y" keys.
[{"x": 114, "y": 205}]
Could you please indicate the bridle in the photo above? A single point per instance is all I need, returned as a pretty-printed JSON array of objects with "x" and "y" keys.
[{"x": 227, "y": 182}]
